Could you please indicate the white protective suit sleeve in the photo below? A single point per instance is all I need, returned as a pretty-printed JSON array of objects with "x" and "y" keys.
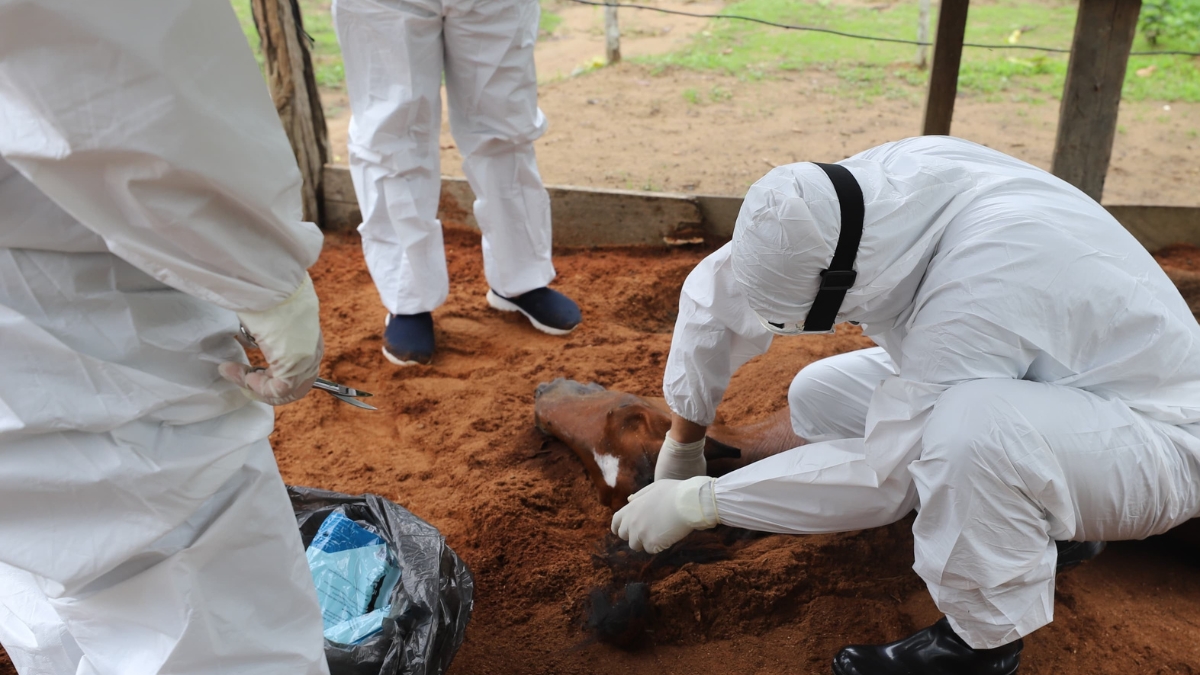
[
  {"x": 715, "y": 334},
  {"x": 856, "y": 483},
  {"x": 138, "y": 152}
]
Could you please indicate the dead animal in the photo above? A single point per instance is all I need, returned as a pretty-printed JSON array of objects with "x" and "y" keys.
[{"x": 617, "y": 435}]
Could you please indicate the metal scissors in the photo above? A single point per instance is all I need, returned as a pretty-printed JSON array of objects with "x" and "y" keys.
[
  {"x": 340, "y": 391},
  {"x": 344, "y": 393}
]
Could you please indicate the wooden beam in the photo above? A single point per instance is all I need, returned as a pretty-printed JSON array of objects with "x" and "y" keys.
[
  {"x": 293, "y": 87},
  {"x": 943, "y": 77},
  {"x": 597, "y": 217},
  {"x": 1157, "y": 227},
  {"x": 1087, "y": 117},
  {"x": 582, "y": 216}
]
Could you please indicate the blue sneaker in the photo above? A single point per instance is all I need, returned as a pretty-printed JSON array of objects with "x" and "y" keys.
[
  {"x": 548, "y": 310},
  {"x": 408, "y": 338}
]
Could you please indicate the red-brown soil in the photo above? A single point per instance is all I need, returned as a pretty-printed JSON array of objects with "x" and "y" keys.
[{"x": 455, "y": 443}]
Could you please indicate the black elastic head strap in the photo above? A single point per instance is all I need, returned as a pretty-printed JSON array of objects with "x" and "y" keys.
[{"x": 840, "y": 276}]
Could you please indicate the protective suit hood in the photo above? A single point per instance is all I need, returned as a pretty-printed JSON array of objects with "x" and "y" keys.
[{"x": 790, "y": 220}]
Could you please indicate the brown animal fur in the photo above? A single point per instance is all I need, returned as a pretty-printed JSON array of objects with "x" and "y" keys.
[{"x": 596, "y": 423}]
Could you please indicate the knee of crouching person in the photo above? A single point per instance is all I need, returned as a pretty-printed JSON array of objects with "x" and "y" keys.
[
  {"x": 970, "y": 425},
  {"x": 812, "y": 401}
]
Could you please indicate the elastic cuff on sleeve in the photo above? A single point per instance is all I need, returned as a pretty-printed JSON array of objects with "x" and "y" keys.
[
  {"x": 303, "y": 295},
  {"x": 695, "y": 503},
  {"x": 708, "y": 502}
]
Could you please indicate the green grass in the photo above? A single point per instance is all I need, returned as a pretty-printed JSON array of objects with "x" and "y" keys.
[
  {"x": 327, "y": 56},
  {"x": 549, "y": 22},
  {"x": 318, "y": 23},
  {"x": 868, "y": 69},
  {"x": 865, "y": 69},
  {"x": 719, "y": 93}
]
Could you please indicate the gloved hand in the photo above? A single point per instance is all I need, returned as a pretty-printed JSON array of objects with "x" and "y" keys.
[
  {"x": 680, "y": 461},
  {"x": 289, "y": 335},
  {"x": 665, "y": 511}
]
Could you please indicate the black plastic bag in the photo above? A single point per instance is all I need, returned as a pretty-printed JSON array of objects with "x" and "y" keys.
[{"x": 430, "y": 605}]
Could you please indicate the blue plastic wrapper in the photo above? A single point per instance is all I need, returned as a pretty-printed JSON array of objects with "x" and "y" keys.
[
  {"x": 339, "y": 533},
  {"x": 421, "y": 619},
  {"x": 354, "y": 573}
]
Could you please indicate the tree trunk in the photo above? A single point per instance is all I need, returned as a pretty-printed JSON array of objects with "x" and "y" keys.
[{"x": 293, "y": 87}]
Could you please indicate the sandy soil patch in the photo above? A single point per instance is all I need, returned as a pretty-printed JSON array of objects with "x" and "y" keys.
[{"x": 455, "y": 443}]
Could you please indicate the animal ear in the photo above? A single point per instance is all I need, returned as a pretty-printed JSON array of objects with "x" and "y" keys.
[{"x": 628, "y": 419}]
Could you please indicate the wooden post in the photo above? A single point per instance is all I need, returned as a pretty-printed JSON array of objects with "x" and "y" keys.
[
  {"x": 612, "y": 34},
  {"x": 1087, "y": 117},
  {"x": 294, "y": 89},
  {"x": 943, "y": 78},
  {"x": 923, "y": 33}
]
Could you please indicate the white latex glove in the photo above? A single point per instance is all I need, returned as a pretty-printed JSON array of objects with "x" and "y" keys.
[
  {"x": 680, "y": 461},
  {"x": 289, "y": 336},
  {"x": 665, "y": 511}
]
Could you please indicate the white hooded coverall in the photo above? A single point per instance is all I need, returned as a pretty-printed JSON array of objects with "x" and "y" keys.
[
  {"x": 395, "y": 54},
  {"x": 1037, "y": 376},
  {"x": 147, "y": 193}
]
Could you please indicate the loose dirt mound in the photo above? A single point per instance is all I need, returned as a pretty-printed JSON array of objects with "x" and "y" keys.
[{"x": 455, "y": 443}]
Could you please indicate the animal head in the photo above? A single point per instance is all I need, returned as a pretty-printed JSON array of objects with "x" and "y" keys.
[{"x": 616, "y": 435}]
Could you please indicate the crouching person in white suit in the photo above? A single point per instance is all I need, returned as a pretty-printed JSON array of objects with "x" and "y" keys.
[
  {"x": 149, "y": 201},
  {"x": 1037, "y": 380}
]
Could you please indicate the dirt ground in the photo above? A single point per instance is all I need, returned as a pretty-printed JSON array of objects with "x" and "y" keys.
[
  {"x": 628, "y": 128},
  {"x": 455, "y": 442}
]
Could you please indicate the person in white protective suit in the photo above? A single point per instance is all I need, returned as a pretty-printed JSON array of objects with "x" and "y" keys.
[
  {"x": 1037, "y": 379},
  {"x": 395, "y": 54},
  {"x": 149, "y": 201}
]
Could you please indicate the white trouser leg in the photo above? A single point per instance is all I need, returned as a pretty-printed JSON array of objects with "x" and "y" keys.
[
  {"x": 1009, "y": 466},
  {"x": 393, "y": 58},
  {"x": 827, "y": 485},
  {"x": 491, "y": 87},
  {"x": 161, "y": 549},
  {"x": 828, "y": 398},
  {"x": 36, "y": 639}
]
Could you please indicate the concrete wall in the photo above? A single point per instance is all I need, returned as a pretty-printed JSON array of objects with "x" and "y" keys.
[
  {"x": 591, "y": 217},
  {"x": 582, "y": 216}
]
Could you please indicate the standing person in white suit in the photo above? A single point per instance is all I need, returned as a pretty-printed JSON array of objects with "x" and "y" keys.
[
  {"x": 1037, "y": 380},
  {"x": 149, "y": 201},
  {"x": 395, "y": 55}
]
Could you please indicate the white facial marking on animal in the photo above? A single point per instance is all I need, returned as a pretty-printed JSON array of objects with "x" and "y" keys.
[{"x": 609, "y": 465}]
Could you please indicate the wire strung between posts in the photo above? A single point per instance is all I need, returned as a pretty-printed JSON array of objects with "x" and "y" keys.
[{"x": 855, "y": 36}]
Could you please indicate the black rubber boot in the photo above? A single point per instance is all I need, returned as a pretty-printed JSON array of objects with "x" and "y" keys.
[
  {"x": 936, "y": 650},
  {"x": 1073, "y": 553}
]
